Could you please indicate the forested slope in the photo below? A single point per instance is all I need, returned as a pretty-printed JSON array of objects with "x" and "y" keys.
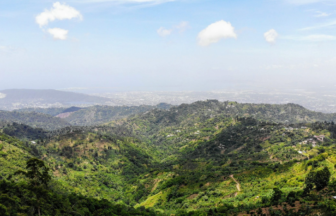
[
  {"x": 39, "y": 190},
  {"x": 198, "y": 159},
  {"x": 168, "y": 130},
  {"x": 34, "y": 119}
]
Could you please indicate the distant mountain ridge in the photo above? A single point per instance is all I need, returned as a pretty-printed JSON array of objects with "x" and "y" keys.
[
  {"x": 56, "y": 118},
  {"x": 24, "y": 98},
  {"x": 161, "y": 116},
  {"x": 95, "y": 115}
]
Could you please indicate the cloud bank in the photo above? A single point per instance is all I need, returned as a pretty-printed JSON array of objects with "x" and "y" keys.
[
  {"x": 271, "y": 36},
  {"x": 215, "y": 32}
]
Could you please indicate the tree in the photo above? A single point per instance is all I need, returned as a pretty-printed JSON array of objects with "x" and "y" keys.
[
  {"x": 37, "y": 172},
  {"x": 322, "y": 178},
  {"x": 3, "y": 210},
  {"x": 291, "y": 197},
  {"x": 332, "y": 185},
  {"x": 276, "y": 196},
  {"x": 39, "y": 177},
  {"x": 318, "y": 178}
]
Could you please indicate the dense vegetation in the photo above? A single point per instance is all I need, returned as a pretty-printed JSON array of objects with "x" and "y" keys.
[
  {"x": 22, "y": 131},
  {"x": 36, "y": 194},
  {"x": 34, "y": 119},
  {"x": 207, "y": 158}
]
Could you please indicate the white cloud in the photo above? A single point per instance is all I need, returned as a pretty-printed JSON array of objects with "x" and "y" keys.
[
  {"x": 303, "y": 2},
  {"x": 317, "y": 38},
  {"x": 182, "y": 26},
  {"x": 57, "y": 12},
  {"x": 215, "y": 32},
  {"x": 324, "y": 25},
  {"x": 126, "y": 1},
  {"x": 164, "y": 32},
  {"x": 58, "y": 34},
  {"x": 311, "y": 38},
  {"x": 321, "y": 14},
  {"x": 271, "y": 36}
]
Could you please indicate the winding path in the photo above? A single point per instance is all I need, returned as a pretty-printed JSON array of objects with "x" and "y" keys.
[{"x": 238, "y": 185}]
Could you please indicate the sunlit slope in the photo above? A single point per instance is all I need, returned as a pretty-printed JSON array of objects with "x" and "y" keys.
[
  {"x": 169, "y": 131},
  {"x": 212, "y": 176},
  {"x": 95, "y": 165}
]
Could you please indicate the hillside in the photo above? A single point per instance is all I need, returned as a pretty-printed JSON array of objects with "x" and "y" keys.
[
  {"x": 23, "y": 98},
  {"x": 53, "y": 111},
  {"x": 22, "y": 131},
  {"x": 103, "y": 114},
  {"x": 200, "y": 159},
  {"x": 33, "y": 119},
  {"x": 239, "y": 166},
  {"x": 169, "y": 130},
  {"x": 95, "y": 115},
  {"x": 44, "y": 195}
]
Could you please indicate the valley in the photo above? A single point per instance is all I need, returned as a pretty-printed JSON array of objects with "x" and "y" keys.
[{"x": 209, "y": 157}]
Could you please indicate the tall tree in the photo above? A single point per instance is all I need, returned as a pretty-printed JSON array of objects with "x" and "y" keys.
[{"x": 39, "y": 177}]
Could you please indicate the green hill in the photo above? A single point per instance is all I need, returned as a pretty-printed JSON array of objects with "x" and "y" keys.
[
  {"x": 207, "y": 158},
  {"x": 20, "y": 195},
  {"x": 34, "y": 119},
  {"x": 23, "y": 132}
]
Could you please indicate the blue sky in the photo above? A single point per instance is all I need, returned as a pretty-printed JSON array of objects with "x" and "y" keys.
[{"x": 157, "y": 45}]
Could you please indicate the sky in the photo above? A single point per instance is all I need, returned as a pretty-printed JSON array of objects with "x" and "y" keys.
[{"x": 167, "y": 45}]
